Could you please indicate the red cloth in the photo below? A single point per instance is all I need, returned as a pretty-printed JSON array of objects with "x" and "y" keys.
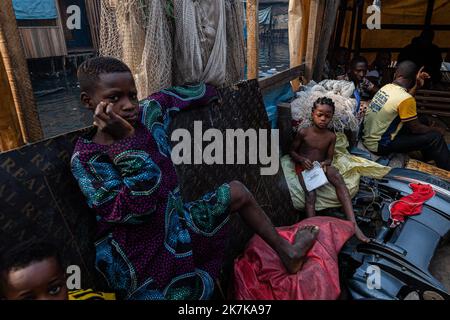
[
  {"x": 411, "y": 205},
  {"x": 298, "y": 168},
  {"x": 260, "y": 274}
]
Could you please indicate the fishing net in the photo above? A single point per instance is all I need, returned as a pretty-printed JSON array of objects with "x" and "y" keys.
[
  {"x": 202, "y": 39},
  {"x": 138, "y": 33},
  {"x": 235, "y": 42},
  {"x": 209, "y": 41},
  {"x": 339, "y": 91}
]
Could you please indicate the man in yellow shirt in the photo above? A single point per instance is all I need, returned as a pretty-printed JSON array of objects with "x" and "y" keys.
[{"x": 391, "y": 123}]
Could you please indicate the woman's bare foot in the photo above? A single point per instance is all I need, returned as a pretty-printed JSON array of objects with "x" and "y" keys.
[
  {"x": 293, "y": 256},
  {"x": 360, "y": 235}
]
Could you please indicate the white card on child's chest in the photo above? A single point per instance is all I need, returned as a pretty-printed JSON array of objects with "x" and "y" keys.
[{"x": 315, "y": 177}]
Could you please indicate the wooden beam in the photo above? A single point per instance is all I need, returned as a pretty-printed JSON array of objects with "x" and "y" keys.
[
  {"x": 352, "y": 25},
  {"x": 17, "y": 70},
  {"x": 325, "y": 37},
  {"x": 340, "y": 24},
  {"x": 252, "y": 39},
  {"x": 298, "y": 30},
  {"x": 429, "y": 14},
  {"x": 358, "y": 27},
  {"x": 314, "y": 27},
  {"x": 442, "y": 50},
  {"x": 278, "y": 80},
  {"x": 393, "y": 26}
]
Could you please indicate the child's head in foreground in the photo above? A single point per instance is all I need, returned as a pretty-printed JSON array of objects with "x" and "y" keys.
[
  {"x": 322, "y": 112},
  {"x": 32, "y": 272},
  {"x": 109, "y": 80}
]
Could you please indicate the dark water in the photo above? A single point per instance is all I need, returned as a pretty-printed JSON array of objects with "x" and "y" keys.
[
  {"x": 273, "y": 56},
  {"x": 59, "y": 106}
]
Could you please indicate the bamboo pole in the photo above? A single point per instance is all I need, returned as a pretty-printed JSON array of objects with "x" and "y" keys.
[
  {"x": 252, "y": 39},
  {"x": 17, "y": 72}
]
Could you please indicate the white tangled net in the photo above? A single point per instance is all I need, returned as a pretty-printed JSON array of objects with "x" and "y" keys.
[{"x": 339, "y": 91}]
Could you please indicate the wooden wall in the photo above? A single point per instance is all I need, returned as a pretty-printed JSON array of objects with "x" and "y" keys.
[
  {"x": 93, "y": 11},
  {"x": 10, "y": 136},
  {"x": 43, "y": 42}
]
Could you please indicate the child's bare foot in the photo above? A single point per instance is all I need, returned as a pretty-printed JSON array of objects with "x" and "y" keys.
[
  {"x": 294, "y": 256},
  {"x": 360, "y": 235}
]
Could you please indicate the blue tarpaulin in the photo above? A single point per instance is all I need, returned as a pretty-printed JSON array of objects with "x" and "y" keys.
[
  {"x": 265, "y": 16},
  {"x": 273, "y": 97},
  {"x": 34, "y": 9}
]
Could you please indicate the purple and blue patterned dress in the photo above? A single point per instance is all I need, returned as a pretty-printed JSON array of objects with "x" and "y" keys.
[{"x": 150, "y": 244}]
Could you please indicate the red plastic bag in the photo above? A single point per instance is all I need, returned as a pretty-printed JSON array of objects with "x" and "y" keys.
[{"x": 260, "y": 274}]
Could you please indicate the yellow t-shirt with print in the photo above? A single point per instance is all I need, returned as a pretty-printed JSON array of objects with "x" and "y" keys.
[
  {"x": 391, "y": 106},
  {"x": 90, "y": 294}
]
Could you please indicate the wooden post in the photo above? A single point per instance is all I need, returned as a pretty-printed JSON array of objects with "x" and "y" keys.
[
  {"x": 352, "y": 25},
  {"x": 326, "y": 32},
  {"x": 298, "y": 30},
  {"x": 314, "y": 27},
  {"x": 13, "y": 57},
  {"x": 340, "y": 23},
  {"x": 429, "y": 14},
  {"x": 358, "y": 28},
  {"x": 10, "y": 133},
  {"x": 252, "y": 39}
]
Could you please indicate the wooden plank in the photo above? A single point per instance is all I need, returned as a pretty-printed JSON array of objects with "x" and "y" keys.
[
  {"x": 423, "y": 92},
  {"x": 42, "y": 42},
  {"x": 298, "y": 14},
  {"x": 394, "y": 49},
  {"x": 429, "y": 14},
  {"x": 325, "y": 38},
  {"x": 433, "y": 99},
  {"x": 17, "y": 72},
  {"x": 269, "y": 83},
  {"x": 252, "y": 39},
  {"x": 93, "y": 11},
  {"x": 352, "y": 25},
  {"x": 394, "y": 26},
  {"x": 358, "y": 27},
  {"x": 435, "y": 112},
  {"x": 425, "y": 167},
  {"x": 340, "y": 24},
  {"x": 421, "y": 105},
  {"x": 10, "y": 137},
  {"x": 314, "y": 27}
]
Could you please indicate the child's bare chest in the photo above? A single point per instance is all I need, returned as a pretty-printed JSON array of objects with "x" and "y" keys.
[{"x": 317, "y": 142}]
